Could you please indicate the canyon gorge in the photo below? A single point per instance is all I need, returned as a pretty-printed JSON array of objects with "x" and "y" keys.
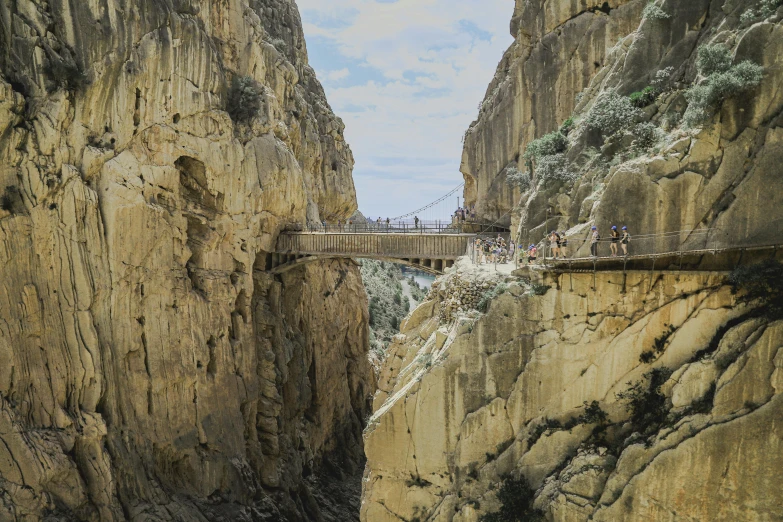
[{"x": 152, "y": 368}]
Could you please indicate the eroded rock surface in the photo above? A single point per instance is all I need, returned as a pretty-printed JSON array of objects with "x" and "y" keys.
[
  {"x": 539, "y": 386},
  {"x": 150, "y": 369},
  {"x": 567, "y": 56}
]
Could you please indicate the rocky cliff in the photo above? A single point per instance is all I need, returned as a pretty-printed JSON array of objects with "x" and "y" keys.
[
  {"x": 150, "y": 152},
  {"x": 633, "y": 396},
  {"x": 615, "y": 395},
  {"x": 618, "y": 83}
]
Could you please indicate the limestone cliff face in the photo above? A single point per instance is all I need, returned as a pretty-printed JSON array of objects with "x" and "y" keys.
[
  {"x": 567, "y": 56},
  {"x": 686, "y": 423},
  {"x": 149, "y": 368}
]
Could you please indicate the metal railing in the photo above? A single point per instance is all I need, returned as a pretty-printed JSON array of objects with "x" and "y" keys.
[
  {"x": 400, "y": 227},
  {"x": 678, "y": 242}
]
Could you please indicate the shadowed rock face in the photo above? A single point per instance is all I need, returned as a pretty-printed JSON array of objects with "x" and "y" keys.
[
  {"x": 149, "y": 370},
  {"x": 566, "y": 57}
]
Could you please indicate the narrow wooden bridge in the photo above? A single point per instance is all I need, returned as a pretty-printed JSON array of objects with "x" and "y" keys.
[{"x": 431, "y": 253}]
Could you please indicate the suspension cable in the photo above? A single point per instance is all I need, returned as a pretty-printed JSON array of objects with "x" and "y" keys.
[{"x": 422, "y": 209}]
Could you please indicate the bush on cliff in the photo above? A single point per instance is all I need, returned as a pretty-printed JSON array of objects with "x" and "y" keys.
[
  {"x": 517, "y": 178},
  {"x": 723, "y": 81},
  {"x": 516, "y": 503},
  {"x": 244, "y": 99},
  {"x": 547, "y": 145},
  {"x": 646, "y": 403},
  {"x": 643, "y": 98},
  {"x": 489, "y": 295},
  {"x": 765, "y": 9},
  {"x": 761, "y": 283},
  {"x": 611, "y": 114},
  {"x": 653, "y": 12},
  {"x": 551, "y": 170}
]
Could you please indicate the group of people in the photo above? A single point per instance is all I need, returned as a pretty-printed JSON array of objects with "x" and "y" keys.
[
  {"x": 493, "y": 250},
  {"x": 623, "y": 238},
  {"x": 463, "y": 214}
]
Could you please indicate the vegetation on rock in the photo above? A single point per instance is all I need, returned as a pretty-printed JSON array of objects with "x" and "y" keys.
[
  {"x": 646, "y": 403},
  {"x": 764, "y": 9},
  {"x": 244, "y": 99},
  {"x": 643, "y": 98},
  {"x": 487, "y": 297},
  {"x": 611, "y": 114},
  {"x": 516, "y": 498},
  {"x": 388, "y": 303},
  {"x": 763, "y": 283},
  {"x": 723, "y": 81},
  {"x": 654, "y": 12}
]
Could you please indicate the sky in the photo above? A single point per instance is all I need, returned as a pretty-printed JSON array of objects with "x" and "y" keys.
[{"x": 406, "y": 77}]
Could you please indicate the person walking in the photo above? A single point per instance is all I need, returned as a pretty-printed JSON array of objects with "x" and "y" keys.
[
  {"x": 615, "y": 236},
  {"x": 626, "y": 238},
  {"x": 563, "y": 244},
  {"x": 477, "y": 250},
  {"x": 416, "y": 221},
  {"x": 532, "y": 254},
  {"x": 594, "y": 239},
  {"x": 388, "y": 221},
  {"x": 554, "y": 244}
]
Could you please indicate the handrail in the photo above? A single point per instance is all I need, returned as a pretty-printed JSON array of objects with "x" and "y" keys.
[{"x": 405, "y": 227}]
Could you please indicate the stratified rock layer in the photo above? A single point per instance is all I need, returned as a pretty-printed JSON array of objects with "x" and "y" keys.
[
  {"x": 467, "y": 402},
  {"x": 150, "y": 369}
]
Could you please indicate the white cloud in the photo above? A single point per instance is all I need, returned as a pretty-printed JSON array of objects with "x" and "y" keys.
[
  {"x": 407, "y": 77},
  {"x": 335, "y": 76}
]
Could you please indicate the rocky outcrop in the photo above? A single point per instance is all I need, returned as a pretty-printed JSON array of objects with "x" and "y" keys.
[
  {"x": 566, "y": 58},
  {"x": 150, "y": 369},
  {"x": 634, "y": 396}
]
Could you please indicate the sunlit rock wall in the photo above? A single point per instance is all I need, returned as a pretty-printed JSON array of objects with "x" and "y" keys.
[{"x": 149, "y": 370}]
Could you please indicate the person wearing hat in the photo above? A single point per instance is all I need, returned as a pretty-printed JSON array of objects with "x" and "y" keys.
[
  {"x": 595, "y": 238},
  {"x": 615, "y": 239},
  {"x": 625, "y": 240},
  {"x": 531, "y": 254}
]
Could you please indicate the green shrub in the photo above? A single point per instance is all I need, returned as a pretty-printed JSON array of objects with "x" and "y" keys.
[
  {"x": 662, "y": 78},
  {"x": 547, "y": 145},
  {"x": 516, "y": 503},
  {"x": 762, "y": 282},
  {"x": 766, "y": 8},
  {"x": 721, "y": 83},
  {"x": 612, "y": 113},
  {"x": 567, "y": 126},
  {"x": 244, "y": 99},
  {"x": 713, "y": 59},
  {"x": 653, "y": 12},
  {"x": 646, "y": 136},
  {"x": 489, "y": 295},
  {"x": 517, "y": 178},
  {"x": 643, "y": 98},
  {"x": 554, "y": 169}
]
